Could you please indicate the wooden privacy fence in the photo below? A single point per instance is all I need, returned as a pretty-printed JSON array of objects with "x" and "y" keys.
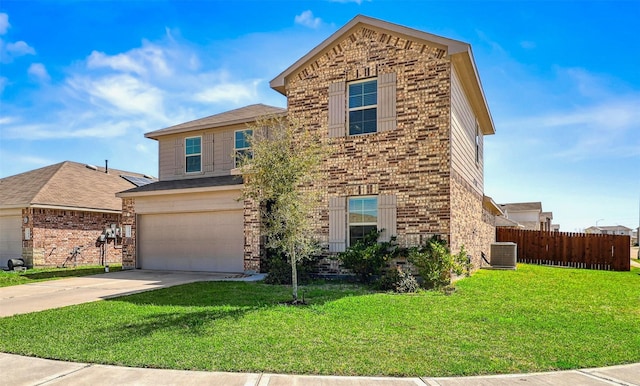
[{"x": 578, "y": 250}]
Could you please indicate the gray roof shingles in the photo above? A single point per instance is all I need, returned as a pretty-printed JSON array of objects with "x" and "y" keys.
[
  {"x": 66, "y": 184},
  {"x": 204, "y": 182}
]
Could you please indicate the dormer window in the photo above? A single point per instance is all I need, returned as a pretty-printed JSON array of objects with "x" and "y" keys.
[
  {"x": 193, "y": 154},
  {"x": 363, "y": 106},
  {"x": 242, "y": 146}
]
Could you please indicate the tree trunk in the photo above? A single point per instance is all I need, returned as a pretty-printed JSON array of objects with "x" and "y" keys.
[{"x": 294, "y": 273}]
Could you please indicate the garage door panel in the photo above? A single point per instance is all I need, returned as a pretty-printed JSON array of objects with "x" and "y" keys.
[
  {"x": 209, "y": 241},
  {"x": 10, "y": 238}
]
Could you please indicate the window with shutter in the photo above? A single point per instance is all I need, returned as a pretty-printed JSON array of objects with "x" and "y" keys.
[
  {"x": 193, "y": 154},
  {"x": 387, "y": 216},
  {"x": 241, "y": 145},
  {"x": 337, "y": 109},
  {"x": 337, "y": 223},
  {"x": 363, "y": 217},
  {"x": 363, "y": 107}
]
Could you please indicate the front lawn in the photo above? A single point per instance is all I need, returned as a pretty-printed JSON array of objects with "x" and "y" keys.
[
  {"x": 532, "y": 319},
  {"x": 9, "y": 278}
]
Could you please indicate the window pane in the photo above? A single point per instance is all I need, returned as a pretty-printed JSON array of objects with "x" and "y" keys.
[
  {"x": 370, "y": 99},
  {"x": 192, "y": 146},
  {"x": 362, "y": 121},
  {"x": 193, "y": 163},
  {"x": 242, "y": 139},
  {"x": 370, "y": 87},
  {"x": 358, "y": 232},
  {"x": 363, "y": 210},
  {"x": 363, "y": 94},
  {"x": 355, "y": 101},
  {"x": 240, "y": 154}
]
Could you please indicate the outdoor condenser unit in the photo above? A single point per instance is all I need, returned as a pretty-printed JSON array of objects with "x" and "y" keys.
[{"x": 504, "y": 255}]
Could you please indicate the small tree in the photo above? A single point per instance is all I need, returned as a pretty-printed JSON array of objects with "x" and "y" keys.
[{"x": 285, "y": 159}]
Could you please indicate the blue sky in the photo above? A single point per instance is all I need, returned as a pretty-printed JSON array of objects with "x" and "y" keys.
[{"x": 83, "y": 81}]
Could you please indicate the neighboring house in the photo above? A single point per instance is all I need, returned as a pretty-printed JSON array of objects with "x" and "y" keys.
[
  {"x": 47, "y": 212},
  {"x": 527, "y": 215},
  {"x": 609, "y": 230},
  {"x": 405, "y": 115}
]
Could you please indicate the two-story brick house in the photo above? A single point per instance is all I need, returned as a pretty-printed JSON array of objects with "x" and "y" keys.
[{"x": 405, "y": 114}]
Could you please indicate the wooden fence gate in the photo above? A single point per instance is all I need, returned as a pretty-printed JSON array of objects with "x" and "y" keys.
[{"x": 578, "y": 250}]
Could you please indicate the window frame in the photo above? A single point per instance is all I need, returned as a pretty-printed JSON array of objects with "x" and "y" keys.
[
  {"x": 477, "y": 143},
  {"x": 361, "y": 108},
  {"x": 364, "y": 223},
  {"x": 187, "y": 156},
  {"x": 238, "y": 150}
]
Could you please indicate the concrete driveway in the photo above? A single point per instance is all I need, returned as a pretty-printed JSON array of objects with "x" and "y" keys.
[{"x": 22, "y": 299}]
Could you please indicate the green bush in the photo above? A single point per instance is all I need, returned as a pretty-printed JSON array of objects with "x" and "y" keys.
[
  {"x": 278, "y": 268},
  {"x": 397, "y": 280},
  {"x": 435, "y": 263},
  {"x": 368, "y": 258}
]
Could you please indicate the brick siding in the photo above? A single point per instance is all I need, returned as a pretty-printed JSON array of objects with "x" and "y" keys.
[{"x": 55, "y": 233}]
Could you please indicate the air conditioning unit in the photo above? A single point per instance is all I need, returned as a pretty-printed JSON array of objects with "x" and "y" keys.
[{"x": 504, "y": 255}]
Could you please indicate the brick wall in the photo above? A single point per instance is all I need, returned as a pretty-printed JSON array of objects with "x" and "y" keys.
[
  {"x": 471, "y": 226},
  {"x": 412, "y": 161},
  {"x": 253, "y": 247},
  {"x": 55, "y": 233},
  {"x": 129, "y": 243}
]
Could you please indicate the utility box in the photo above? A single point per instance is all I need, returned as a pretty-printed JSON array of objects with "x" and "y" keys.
[{"x": 504, "y": 255}]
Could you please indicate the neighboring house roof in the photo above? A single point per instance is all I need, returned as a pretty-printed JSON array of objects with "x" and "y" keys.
[
  {"x": 611, "y": 228},
  {"x": 238, "y": 116},
  {"x": 491, "y": 206},
  {"x": 521, "y": 206},
  {"x": 505, "y": 222},
  {"x": 192, "y": 183},
  {"x": 68, "y": 185},
  {"x": 460, "y": 54}
]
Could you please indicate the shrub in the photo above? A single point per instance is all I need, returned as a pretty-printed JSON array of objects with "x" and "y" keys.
[
  {"x": 368, "y": 258},
  {"x": 435, "y": 263},
  {"x": 278, "y": 268},
  {"x": 397, "y": 280}
]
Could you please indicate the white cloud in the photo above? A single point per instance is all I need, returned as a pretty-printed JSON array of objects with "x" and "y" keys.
[
  {"x": 38, "y": 72},
  {"x": 307, "y": 19},
  {"x": 4, "y": 23},
  {"x": 121, "y": 93},
  {"x": 139, "y": 61},
  {"x": 20, "y": 48},
  {"x": 236, "y": 92},
  {"x": 120, "y": 62}
]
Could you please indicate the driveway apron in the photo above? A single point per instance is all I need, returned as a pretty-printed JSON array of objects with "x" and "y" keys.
[{"x": 46, "y": 295}]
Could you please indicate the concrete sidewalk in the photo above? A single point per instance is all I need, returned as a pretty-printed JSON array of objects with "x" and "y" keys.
[
  {"x": 25, "y": 298},
  {"x": 18, "y": 370}
]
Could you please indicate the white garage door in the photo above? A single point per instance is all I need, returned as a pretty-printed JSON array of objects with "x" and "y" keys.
[
  {"x": 10, "y": 238},
  {"x": 209, "y": 241}
]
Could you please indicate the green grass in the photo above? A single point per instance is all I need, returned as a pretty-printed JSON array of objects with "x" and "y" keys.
[
  {"x": 532, "y": 319},
  {"x": 9, "y": 278}
]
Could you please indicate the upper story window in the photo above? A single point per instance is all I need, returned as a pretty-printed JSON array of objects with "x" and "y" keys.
[
  {"x": 363, "y": 217},
  {"x": 363, "y": 106},
  {"x": 242, "y": 146},
  {"x": 193, "y": 154}
]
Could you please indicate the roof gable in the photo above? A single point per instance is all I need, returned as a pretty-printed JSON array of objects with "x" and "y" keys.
[
  {"x": 459, "y": 52},
  {"x": 67, "y": 184},
  {"x": 522, "y": 206},
  {"x": 233, "y": 117}
]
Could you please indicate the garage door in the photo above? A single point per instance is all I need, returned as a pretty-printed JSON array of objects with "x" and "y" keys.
[
  {"x": 209, "y": 241},
  {"x": 10, "y": 238}
]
